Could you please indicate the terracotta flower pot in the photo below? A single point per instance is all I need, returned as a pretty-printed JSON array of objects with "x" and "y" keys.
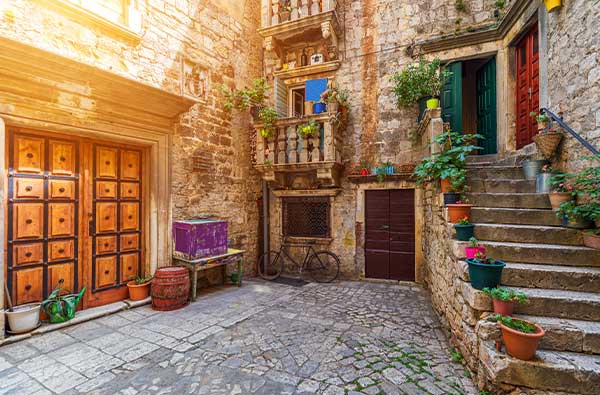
[
  {"x": 592, "y": 241},
  {"x": 471, "y": 252},
  {"x": 445, "y": 185},
  {"x": 503, "y": 307},
  {"x": 458, "y": 211},
  {"x": 557, "y": 198},
  {"x": 521, "y": 345},
  {"x": 138, "y": 292}
]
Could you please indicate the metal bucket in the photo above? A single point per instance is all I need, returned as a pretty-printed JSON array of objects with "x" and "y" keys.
[
  {"x": 531, "y": 168},
  {"x": 542, "y": 183}
]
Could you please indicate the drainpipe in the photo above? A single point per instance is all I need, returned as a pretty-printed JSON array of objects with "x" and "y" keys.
[{"x": 265, "y": 202}]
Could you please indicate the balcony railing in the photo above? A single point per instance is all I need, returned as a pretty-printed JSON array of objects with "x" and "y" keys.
[
  {"x": 286, "y": 150},
  {"x": 276, "y": 12}
]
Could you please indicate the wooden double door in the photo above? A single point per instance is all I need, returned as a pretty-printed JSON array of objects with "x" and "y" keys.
[
  {"x": 390, "y": 234},
  {"x": 74, "y": 210},
  {"x": 528, "y": 86}
]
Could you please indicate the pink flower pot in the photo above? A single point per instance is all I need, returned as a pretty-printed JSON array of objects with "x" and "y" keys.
[{"x": 471, "y": 252}]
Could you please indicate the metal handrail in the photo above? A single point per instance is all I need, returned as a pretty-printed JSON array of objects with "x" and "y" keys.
[{"x": 568, "y": 129}]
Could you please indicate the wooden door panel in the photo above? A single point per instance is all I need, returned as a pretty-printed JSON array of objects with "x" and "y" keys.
[
  {"x": 62, "y": 158},
  {"x": 61, "y": 271},
  {"x": 402, "y": 237},
  {"x": 62, "y": 189},
  {"x": 28, "y": 285},
  {"x": 61, "y": 219},
  {"x": 28, "y": 220},
  {"x": 106, "y": 190},
  {"x": 130, "y": 190},
  {"x": 130, "y": 165},
  {"x": 29, "y": 188},
  {"x": 29, "y": 154},
  {"x": 106, "y": 271},
  {"x": 129, "y": 216},
  {"x": 60, "y": 250},
  {"x": 25, "y": 254},
  {"x": 129, "y": 242},
  {"x": 129, "y": 267},
  {"x": 527, "y": 57},
  {"x": 106, "y": 217},
  {"x": 106, "y": 244},
  {"x": 106, "y": 162}
]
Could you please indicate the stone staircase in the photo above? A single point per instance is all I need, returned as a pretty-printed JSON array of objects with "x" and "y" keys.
[{"x": 560, "y": 276}]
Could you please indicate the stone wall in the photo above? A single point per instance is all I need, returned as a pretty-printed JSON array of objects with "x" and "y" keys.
[
  {"x": 574, "y": 74},
  {"x": 211, "y": 171}
]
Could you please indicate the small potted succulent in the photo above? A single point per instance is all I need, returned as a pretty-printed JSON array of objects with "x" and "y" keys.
[
  {"x": 561, "y": 190},
  {"x": 474, "y": 248},
  {"x": 504, "y": 299},
  {"x": 139, "y": 289},
  {"x": 591, "y": 238},
  {"x": 520, "y": 337},
  {"x": 464, "y": 229},
  {"x": 485, "y": 272},
  {"x": 461, "y": 209}
]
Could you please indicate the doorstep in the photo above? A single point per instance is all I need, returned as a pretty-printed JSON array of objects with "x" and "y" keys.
[{"x": 81, "y": 316}]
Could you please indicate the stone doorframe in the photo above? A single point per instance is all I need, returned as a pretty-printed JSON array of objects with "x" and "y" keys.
[{"x": 360, "y": 190}]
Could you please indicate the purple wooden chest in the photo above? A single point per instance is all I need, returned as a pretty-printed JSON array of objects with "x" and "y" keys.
[{"x": 199, "y": 238}]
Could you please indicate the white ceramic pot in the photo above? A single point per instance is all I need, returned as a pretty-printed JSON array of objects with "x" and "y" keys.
[{"x": 24, "y": 318}]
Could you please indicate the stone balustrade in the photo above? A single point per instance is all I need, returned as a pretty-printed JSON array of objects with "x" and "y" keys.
[{"x": 277, "y": 11}]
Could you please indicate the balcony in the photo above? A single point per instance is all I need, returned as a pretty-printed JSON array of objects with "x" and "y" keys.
[
  {"x": 274, "y": 12},
  {"x": 291, "y": 160}
]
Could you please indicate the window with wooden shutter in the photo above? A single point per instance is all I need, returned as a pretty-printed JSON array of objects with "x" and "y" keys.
[{"x": 280, "y": 92}]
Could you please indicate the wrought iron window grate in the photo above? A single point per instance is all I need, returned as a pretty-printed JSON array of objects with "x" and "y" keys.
[{"x": 306, "y": 216}]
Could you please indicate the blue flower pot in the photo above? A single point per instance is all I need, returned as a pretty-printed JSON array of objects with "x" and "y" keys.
[
  {"x": 464, "y": 232},
  {"x": 319, "y": 108},
  {"x": 389, "y": 169}
]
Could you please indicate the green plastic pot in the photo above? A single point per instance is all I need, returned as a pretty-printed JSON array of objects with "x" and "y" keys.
[
  {"x": 483, "y": 275},
  {"x": 464, "y": 232}
]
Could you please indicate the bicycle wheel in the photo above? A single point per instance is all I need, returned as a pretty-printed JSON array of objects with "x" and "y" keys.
[
  {"x": 324, "y": 266},
  {"x": 270, "y": 265}
]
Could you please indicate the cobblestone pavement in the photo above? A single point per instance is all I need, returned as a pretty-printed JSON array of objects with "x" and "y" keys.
[{"x": 263, "y": 338}]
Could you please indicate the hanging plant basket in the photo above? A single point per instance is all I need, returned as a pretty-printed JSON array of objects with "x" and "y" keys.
[{"x": 548, "y": 143}]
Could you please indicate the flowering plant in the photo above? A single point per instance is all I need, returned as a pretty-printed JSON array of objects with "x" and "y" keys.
[
  {"x": 334, "y": 93},
  {"x": 560, "y": 182},
  {"x": 308, "y": 129},
  {"x": 547, "y": 169},
  {"x": 480, "y": 257},
  {"x": 464, "y": 221}
]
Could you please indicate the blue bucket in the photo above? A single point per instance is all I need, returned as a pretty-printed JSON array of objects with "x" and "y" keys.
[{"x": 319, "y": 108}]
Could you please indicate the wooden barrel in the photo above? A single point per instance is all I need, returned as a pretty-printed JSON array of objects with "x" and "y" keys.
[{"x": 170, "y": 288}]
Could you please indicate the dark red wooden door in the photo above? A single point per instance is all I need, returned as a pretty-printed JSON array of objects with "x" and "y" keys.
[
  {"x": 390, "y": 234},
  {"x": 528, "y": 86}
]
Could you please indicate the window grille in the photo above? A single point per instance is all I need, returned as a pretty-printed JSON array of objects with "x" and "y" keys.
[{"x": 306, "y": 216}]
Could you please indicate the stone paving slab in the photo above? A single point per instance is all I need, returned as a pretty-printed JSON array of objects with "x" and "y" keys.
[{"x": 263, "y": 338}]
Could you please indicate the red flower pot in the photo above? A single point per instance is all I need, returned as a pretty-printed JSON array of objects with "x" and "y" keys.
[
  {"x": 471, "y": 252},
  {"x": 138, "y": 292},
  {"x": 521, "y": 345},
  {"x": 457, "y": 212},
  {"x": 503, "y": 307},
  {"x": 592, "y": 241},
  {"x": 445, "y": 185}
]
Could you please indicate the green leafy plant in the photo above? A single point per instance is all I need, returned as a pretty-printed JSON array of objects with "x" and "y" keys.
[
  {"x": 308, "y": 129},
  {"x": 460, "y": 6},
  {"x": 456, "y": 356},
  {"x": 267, "y": 117},
  {"x": 539, "y": 117},
  {"x": 464, "y": 221},
  {"x": 483, "y": 259},
  {"x": 139, "y": 280},
  {"x": 243, "y": 99},
  {"x": 420, "y": 80},
  {"x": 506, "y": 295},
  {"x": 473, "y": 242},
  {"x": 381, "y": 172},
  {"x": 513, "y": 323},
  {"x": 500, "y": 4},
  {"x": 574, "y": 211},
  {"x": 334, "y": 94},
  {"x": 559, "y": 182}
]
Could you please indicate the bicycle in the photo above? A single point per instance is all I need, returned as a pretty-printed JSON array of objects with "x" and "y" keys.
[{"x": 323, "y": 266}]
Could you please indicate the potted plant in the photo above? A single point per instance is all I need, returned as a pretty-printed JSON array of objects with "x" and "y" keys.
[
  {"x": 485, "y": 272},
  {"x": 459, "y": 210},
  {"x": 464, "y": 229},
  {"x": 520, "y": 337},
  {"x": 543, "y": 120},
  {"x": 474, "y": 248},
  {"x": 380, "y": 172},
  {"x": 578, "y": 216},
  {"x": 504, "y": 299},
  {"x": 308, "y": 129},
  {"x": 286, "y": 10},
  {"x": 267, "y": 117},
  {"x": 389, "y": 168},
  {"x": 23, "y": 318},
  {"x": 139, "y": 289},
  {"x": 60, "y": 307},
  {"x": 561, "y": 190},
  {"x": 420, "y": 81},
  {"x": 248, "y": 98},
  {"x": 531, "y": 168},
  {"x": 591, "y": 239},
  {"x": 547, "y": 139},
  {"x": 365, "y": 166}
]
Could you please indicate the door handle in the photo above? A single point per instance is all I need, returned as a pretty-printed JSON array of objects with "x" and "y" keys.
[{"x": 384, "y": 227}]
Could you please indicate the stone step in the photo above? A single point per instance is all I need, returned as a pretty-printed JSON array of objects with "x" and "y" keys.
[
  {"x": 555, "y": 371},
  {"x": 528, "y": 234},
  {"x": 501, "y": 185},
  {"x": 517, "y": 216},
  {"x": 495, "y": 172},
  {"x": 543, "y": 253},
  {"x": 542, "y": 302},
  {"x": 510, "y": 200},
  {"x": 585, "y": 279},
  {"x": 481, "y": 160},
  {"x": 561, "y": 334}
]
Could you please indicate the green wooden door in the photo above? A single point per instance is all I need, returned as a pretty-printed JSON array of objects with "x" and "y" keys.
[
  {"x": 486, "y": 107},
  {"x": 452, "y": 97}
]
